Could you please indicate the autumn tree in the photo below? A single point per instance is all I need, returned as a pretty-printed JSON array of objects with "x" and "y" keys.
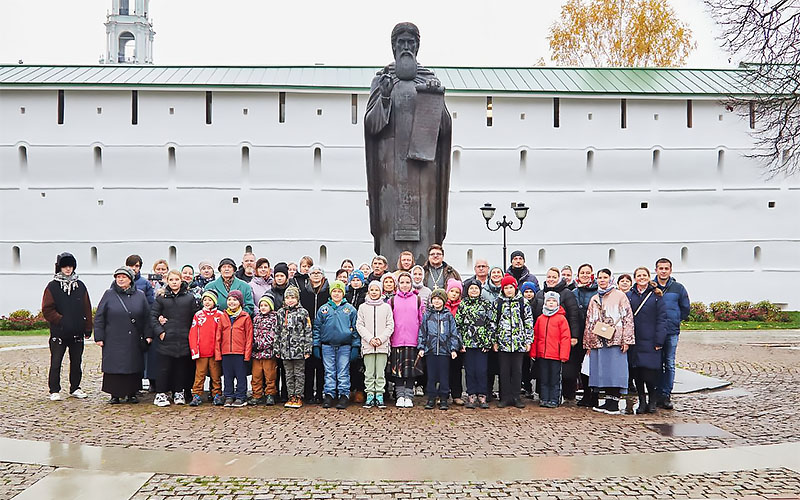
[
  {"x": 766, "y": 35},
  {"x": 619, "y": 33}
]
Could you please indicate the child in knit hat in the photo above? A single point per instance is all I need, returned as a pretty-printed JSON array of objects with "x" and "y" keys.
[
  {"x": 293, "y": 344},
  {"x": 356, "y": 292},
  {"x": 454, "y": 290},
  {"x": 234, "y": 345},
  {"x": 551, "y": 346},
  {"x": 472, "y": 321},
  {"x": 439, "y": 342},
  {"x": 202, "y": 336},
  {"x": 512, "y": 324},
  {"x": 265, "y": 366}
]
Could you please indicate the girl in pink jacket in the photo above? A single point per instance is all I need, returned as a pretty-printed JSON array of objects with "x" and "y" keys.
[{"x": 408, "y": 309}]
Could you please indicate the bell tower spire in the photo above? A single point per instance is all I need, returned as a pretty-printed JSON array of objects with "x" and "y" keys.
[{"x": 129, "y": 33}]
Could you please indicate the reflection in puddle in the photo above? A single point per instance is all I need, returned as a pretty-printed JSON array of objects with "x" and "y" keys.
[{"x": 689, "y": 430}]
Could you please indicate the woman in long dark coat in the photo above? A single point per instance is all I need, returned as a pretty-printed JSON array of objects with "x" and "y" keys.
[
  {"x": 585, "y": 289},
  {"x": 649, "y": 320},
  {"x": 121, "y": 320}
]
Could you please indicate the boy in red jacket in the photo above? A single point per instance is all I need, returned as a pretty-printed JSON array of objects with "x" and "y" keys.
[
  {"x": 201, "y": 344},
  {"x": 550, "y": 348}
]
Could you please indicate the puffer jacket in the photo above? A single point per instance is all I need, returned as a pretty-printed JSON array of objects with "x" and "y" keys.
[
  {"x": 313, "y": 298},
  {"x": 510, "y": 331},
  {"x": 568, "y": 301},
  {"x": 356, "y": 296},
  {"x": 408, "y": 308},
  {"x": 650, "y": 328},
  {"x": 438, "y": 334},
  {"x": 676, "y": 303},
  {"x": 551, "y": 337},
  {"x": 293, "y": 334},
  {"x": 259, "y": 286},
  {"x": 472, "y": 320},
  {"x": 583, "y": 294},
  {"x": 203, "y": 333},
  {"x": 523, "y": 275},
  {"x": 336, "y": 325},
  {"x": 264, "y": 326},
  {"x": 612, "y": 309},
  {"x": 375, "y": 321},
  {"x": 179, "y": 309},
  {"x": 234, "y": 337}
]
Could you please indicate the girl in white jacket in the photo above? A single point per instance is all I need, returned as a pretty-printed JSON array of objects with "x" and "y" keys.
[{"x": 375, "y": 325}]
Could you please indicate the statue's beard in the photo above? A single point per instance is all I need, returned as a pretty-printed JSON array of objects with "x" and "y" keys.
[{"x": 406, "y": 66}]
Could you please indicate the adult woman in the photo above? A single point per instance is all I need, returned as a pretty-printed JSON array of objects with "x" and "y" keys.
[
  {"x": 418, "y": 284},
  {"x": 206, "y": 274},
  {"x": 566, "y": 275},
  {"x": 492, "y": 289},
  {"x": 120, "y": 323},
  {"x": 170, "y": 320},
  {"x": 624, "y": 283},
  {"x": 585, "y": 289},
  {"x": 609, "y": 332},
  {"x": 187, "y": 275},
  {"x": 650, "y": 320},
  {"x": 348, "y": 266},
  {"x": 261, "y": 282},
  {"x": 160, "y": 270},
  {"x": 405, "y": 261}
]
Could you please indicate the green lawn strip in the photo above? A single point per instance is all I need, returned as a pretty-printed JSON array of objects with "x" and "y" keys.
[
  {"x": 23, "y": 333},
  {"x": 744, "y": 325}
]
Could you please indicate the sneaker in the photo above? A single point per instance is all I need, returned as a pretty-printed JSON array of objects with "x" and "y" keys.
[
  {"x": 196, "y": 400},
  {"x": 269, "y": 400},
  {"x": 228, "y": 402},
  {"x": 401, "y": 402},
  {"x": 161, "y": 400},
  {"x": 409, "y": 403},
  {"x": 458, "y": 401},
  {"x": 298, "y": 402},
  {"x": 370, "y": 401},
  {"x": 219, "y": 400},
  {"x": 482, "y": 402},
  {"x": 379, "y": 401},
  {"x": 327, "y": 401},
  {"x": 238, "y": 403},
  {"x": 342, "y": 404},
  {"x": 430, "y": 404},
  {"x": 470, "y": 402},
  {"x": 178, "y": 398},
  {"x": 255, "y": 401},
  {"x": 55, "y": 396},
  {"x": 133, "y": 399},
  {"x": 290, "y": 402},
  {"x": 443, "y": 404},
  {"x": 419, "y": 391},
  {"x": 610, "y": 407},
  {"x": 78, "y": 393}
]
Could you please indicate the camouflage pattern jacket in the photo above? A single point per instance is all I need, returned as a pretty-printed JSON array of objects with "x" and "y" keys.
[
  {"x": 293, "y": 334},
  {"x": 472, "y": 320},
  {"x": 512, "y": 327},
  {"x": 264, "y": 326}
]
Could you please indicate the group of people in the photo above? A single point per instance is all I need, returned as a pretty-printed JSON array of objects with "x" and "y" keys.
[{"x": 372, "y": 334}]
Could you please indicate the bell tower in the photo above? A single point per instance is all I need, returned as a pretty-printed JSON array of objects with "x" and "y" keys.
[{"x": 129, "y": 33}]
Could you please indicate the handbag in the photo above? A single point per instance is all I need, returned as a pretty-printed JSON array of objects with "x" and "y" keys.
[
  {"x": 603, "y": 330},
  {"x": 144, "y": 345}
]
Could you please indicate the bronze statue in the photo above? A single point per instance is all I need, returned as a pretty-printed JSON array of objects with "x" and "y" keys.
[{"x": 407, "y": 134}]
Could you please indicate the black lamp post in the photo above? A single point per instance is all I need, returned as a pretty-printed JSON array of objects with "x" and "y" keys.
[{"x": 520, "y": 210}]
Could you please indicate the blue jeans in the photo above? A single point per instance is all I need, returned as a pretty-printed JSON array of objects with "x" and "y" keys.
[
  {"x": 438, "y": 370},
  {"x": 336, "y": 362},
  {"x": 667, "y": 379},
  {"x": 233, "y": 368}
]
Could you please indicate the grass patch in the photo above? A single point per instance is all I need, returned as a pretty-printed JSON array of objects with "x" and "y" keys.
[
  {"x": 23, "y": 333},
  {"x": 794, "y": 323}
]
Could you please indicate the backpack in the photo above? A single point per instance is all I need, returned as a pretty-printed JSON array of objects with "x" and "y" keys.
[{"x": 521, "y": 301}]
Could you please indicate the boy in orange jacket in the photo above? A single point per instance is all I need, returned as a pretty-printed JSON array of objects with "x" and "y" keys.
[
  {"x": 550, "y": 348},
  {"x": 202, "y": 338},
  {"x": 233, "y": 347}
]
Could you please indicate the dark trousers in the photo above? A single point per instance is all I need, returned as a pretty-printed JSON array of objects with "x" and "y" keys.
[
  {"x": 233, "y": 369},
  {"x": 528, "y": 373},
  {"x": 438, "y": 373},
  {"x": 58, "y": 347},
  {"x": 282, "y": 387},
  {"x": 173, "y": 373},
  {"x": 493, "y": 370},
  {"x": 456, "y": 376},
  {"x": 357, "y": 378},
  {"x": 549, "y": 380},
  {"x": 510, "y": 375},
  {"x": 645, "y": 378},
  {"x": 475, "y": 366},
  {"x": 315, "y": 379}
]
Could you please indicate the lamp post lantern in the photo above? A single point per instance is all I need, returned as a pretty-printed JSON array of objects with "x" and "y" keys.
[{"x": 520, "y": 210}]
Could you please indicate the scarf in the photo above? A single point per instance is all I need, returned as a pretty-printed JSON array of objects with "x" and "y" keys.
[
  {"x": 375, "y": 302},
  {"x": 549, "y": 312},
  {"x": 603, "y": 291},
  {"x": 127, "y": 291},
  {"x": 233, "y": 314},
  {"x": 227, "y": 283},
  {"x": 68, "y": 283},
  {"x": 516, "y": 272}
]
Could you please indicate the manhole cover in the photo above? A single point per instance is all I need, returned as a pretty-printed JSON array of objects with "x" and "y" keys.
[{"x": 689, "y": 430}]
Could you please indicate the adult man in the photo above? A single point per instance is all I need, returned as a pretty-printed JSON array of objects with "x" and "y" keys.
[
  {"x": 481, "y": 274},
  {"x": 437, "y": 271},
  {"x": 379, "y": 266},
  {"x": 248, "y": 268},
  {"x": 520, "y": 271},
  {"x": 142, "y": 283},
  {"x": 676, "y": 303},
  {"x": 227, "y": 282},
  {"x": 407, "y": 132}
]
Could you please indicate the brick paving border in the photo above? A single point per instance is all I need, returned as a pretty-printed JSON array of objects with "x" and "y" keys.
[{"x": 15, "y": 478}]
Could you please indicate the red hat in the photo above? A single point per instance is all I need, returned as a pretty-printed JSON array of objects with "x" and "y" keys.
[{"x": 508, "y": 280}]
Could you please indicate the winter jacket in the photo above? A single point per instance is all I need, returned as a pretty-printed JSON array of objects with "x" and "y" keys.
[
  {"x": 234, "y": 337},
  {"x": 490, "y": 292},
  {"x": 356, "y": 296},
  {"x": 240, "y": 274},
  {"x": 264, "y": 326},
  {"x": 69, "y": 314},
  {"x": 375, "y": 321},
  {"x": 486, "y": 294},
  {"x": 293, "y": 336},
  {"x": 200, "y": 281},
  {"x": 424, "y": 293},
  {"x": 260, "y": 286},
  {"x": 312, "y": 299},
  {"x": 222, "y": 294},
  {"x": 523, "y": 275},
  {"x": 438, "y": 334},
  {"x": 612, "y": 309},
  {"x": 568, "y": 301},
  {"x": 276, "y": 293},
  {"x": 472, "y": 321},
  {"x": 408, "y": 308},
  {"x": 447, "y": 273},
  {"x": 336, "y": 325},
  {"x": 583, "y": 295},
  {"x": 676, "y": 302},
  {"x": 511, "y": 332},
  {"x": 145, "y": 286},
  {"x": 179, "y": 309},
  {"x": 650, "y": 328},
  {"x": 120, "y": 336},
  {"x": 203, "y": 333},
  {"x": 551, "y": 337}
]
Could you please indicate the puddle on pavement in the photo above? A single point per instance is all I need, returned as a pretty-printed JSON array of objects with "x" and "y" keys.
[
  {"x": 689, "y": 430},
  {"x": 729, "y": 393}
]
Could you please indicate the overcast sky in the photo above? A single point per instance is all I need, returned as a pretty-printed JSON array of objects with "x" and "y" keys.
[{"x": 299, "y": 32}]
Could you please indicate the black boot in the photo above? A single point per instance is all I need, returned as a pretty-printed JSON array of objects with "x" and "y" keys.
[
  {"x": 643, "y": 408},
  {"x": 430, "y": 404},
  {"x": 342, "y": 404},
  {"x": 327, "y": 401},
  {"x": 666, "y": 403},
  {"x": 651, "y": 405},
  {"x": 589, "y": 399}
]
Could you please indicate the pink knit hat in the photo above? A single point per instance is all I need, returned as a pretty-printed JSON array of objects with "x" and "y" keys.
[{"x": 454, "y": 283}]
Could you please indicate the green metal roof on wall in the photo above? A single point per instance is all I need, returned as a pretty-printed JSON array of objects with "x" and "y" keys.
[{"x": 533, "y": 80}]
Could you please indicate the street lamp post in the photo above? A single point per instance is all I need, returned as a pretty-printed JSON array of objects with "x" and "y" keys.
[{"x": 520, "y": 210}]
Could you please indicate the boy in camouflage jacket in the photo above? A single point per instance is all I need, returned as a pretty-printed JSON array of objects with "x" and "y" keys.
[
  {"x": 472, "y": 320},
  {"x": 512, "y": 328},
  {"x": 293, "y": 344}
]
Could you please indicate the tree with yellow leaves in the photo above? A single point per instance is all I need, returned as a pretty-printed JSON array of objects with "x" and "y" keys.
[{"x": 619, "y": 33}]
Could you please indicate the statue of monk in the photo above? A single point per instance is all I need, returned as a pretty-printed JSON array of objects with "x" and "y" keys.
[{"x": 407, "y": 134}]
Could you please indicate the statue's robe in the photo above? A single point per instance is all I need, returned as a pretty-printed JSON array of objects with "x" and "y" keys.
[{"x": 407, "y": 198}]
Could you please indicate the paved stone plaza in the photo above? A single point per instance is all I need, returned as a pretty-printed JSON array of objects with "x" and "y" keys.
[{"x": 759, "y": 408}]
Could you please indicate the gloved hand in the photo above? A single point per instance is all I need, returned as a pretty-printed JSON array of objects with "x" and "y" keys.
[
  {"x": 316, "y": 352},
  {"x": 355, "y": 352}
]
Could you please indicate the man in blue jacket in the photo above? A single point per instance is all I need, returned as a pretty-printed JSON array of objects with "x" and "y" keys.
[
  {"x": 676, "y": 303},
  {"x": 337, "y": 342}
]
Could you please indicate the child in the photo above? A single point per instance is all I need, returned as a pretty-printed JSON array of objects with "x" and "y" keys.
[
  {"x": 336, "y": 342},
  {"x": 389, "y": 286},
  {"x": 407, "y": 309},
  {"x": 418, "y": 283},
  {"x": 528, "y": 290},
  {"x": 234, "y": 345},
  {"x": 439, "y": 341},
  {"x": 512, "y": 325},
  {"x": 202, "y": 336},
  {"x": 454, "y": 290},
  {"x": 551, "y": 346},
  {"x": 265, "y": 366},
  {"x": 356, "y": 292},
  {"x": 375, "y": 325},
  {"x": 293, "y": 344},
  {"x": 472, "y": 320}
]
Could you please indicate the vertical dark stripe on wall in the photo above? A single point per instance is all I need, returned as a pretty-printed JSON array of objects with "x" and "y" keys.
[
  {"x": 556, "y": 112},
  {"x": 208, "y": 107},
  {"x": 623, "y": 113},
  {"x": 688, "y": 113},
  {"x": 61, "y": 107},
  {"x": 134, "y": 107}
]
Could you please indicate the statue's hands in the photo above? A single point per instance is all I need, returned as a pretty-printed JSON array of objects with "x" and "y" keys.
[
  {"x": 434, "y": 85},
  {"x": 386, "y": 85}
]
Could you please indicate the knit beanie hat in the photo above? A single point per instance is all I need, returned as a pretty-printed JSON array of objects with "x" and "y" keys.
[
  {"x": 549, "y": 311},
  {"x": 439, "y": 293},
  {"x": 268, "y": 300},
  {"x": 238, "y": 295},
  {"x": 508, "y": 280},
  {"x": 204, "y": 263},
  {"x": 211, "y": 294},
  {"x": 528, "y": 285},
  {"x": 375, "y": 284},
  {"x": 127, "y": 271},
  {"x": 226, "y": 261},
  {"x": 454, "y": 283},
  {"x": 517, "y": 253},
  {"x": 474, "y": 283},
  {"x": 292, "y": 291},
  {"x": 337, "y": 285},
  {"x": 552, "y": 295},
  {"x": 356, "y": 274},
  {"x": 315, "y": 269},
  {"x": 388, "y": 276},
  {"x": 282, "y": 268}
]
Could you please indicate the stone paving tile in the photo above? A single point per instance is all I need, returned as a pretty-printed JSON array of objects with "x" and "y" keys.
[
  {"x": 15, "y": 478},
  {"x": 766, "y": 483},
  {"x": 758, "y": 412}
]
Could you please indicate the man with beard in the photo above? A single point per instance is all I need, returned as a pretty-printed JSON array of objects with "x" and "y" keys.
[
  {"x": 247, "y": 270},
  {"x": 520, "y": 271},
  {"x": 407, "y": 140}
]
